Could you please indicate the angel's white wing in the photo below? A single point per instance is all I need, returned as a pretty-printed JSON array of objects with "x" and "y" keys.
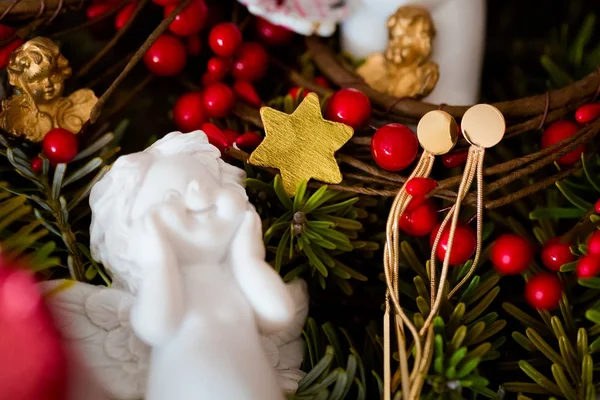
[
  {"x": 95, "y": 321},
  {"x": 286, "y": 347}
]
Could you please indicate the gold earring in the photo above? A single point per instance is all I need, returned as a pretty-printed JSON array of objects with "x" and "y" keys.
[
  {"x": 437, "y": 132},
  {"x": 483, "y": 127}
]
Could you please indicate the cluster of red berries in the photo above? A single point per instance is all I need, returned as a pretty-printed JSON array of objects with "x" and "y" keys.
[
  {"x": 588, "y": 266},
  {"x": 512, "y": 254},
  {"x": 246, "y": 62},
  {"x": 564, "y": 129},
  {"x": 421, "y": 219},
  {"x": 168, "y": 54}
]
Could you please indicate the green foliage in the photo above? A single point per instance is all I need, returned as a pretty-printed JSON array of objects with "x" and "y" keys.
[
  {"x": 571, "y": 56},
  {"x": 22, "y": 237},
  {"x": 463, "y": 329},
  {"x": 557, "y": 346},
  {"x": 335, "y": 369},
  {"x": 58, "y": 203},
  {"x": 579, "y": 192},
  {"x": 560, "y": 346},
  {"x": 313, "y": 231}
]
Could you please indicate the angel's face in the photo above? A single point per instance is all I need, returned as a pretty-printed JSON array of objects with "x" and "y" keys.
[{"x": 199, "y": 213}]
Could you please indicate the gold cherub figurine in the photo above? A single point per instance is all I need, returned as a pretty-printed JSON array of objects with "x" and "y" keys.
[
  {"x": 404, "y": 70},
  {"x": 38, "y": 71}
]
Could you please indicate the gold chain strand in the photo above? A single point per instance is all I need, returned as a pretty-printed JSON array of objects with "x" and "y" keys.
[
  {"x": 467, "y": 180},
  {"x": 425, "y": 364},
  {"x": 479, "y": 217},
  {"x": 432, "y": 262},
  {"x": 437, "y": 133},
  {"x": 391, "y": 263}
]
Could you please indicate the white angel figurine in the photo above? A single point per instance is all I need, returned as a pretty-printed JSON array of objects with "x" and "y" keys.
[
  {"x": 306, "y": 17},
  {"x": 174, "y": 228}
]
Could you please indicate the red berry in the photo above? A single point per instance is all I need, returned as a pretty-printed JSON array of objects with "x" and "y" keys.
[
  {"x": 593, "y": 244},
  {"x": 190, "y": 20},
  {"x": 272, "y": 34},
  {"x": 597, "y": 207},
  {"x": 295, "y": 92},
  {"x": 225, "y": 39},
  {"x": 415, "y": 202},
  {"x": 231, "y": 136},
  {"x": 218, "y": 67},
  {"x": 166, "y": 56},
  {"x": 216, "y": 137},
  {"x": 251, "y": 62},
  {"x": 418, "y": 187},
  {"x": 588, "y": 266},
  {"x": 7, "y": 50},
  {"x": 394, "y": 147},
  {"x": 511, "y": 254},
  {"x": 559, "y": 131},
  {"x": 463, "y": 245},
  {"x": 319, "y": 80},
  {"x": 124, "y": 15},
  {"x": 60, "y": 146},
  {"x": 420, "y": 220},
  {"x": 543, "y": 291},
  {"x": 194, "y": 45},
  {"x": 248, "y": 141},
  {"x": 34, "y": 358},
  {"x": 37, "y": 164},
  {"x": 6, "y": 32},
  {"x": 189, "y": 113},
  {"x": 349, "y": 106},
  {"x": 165, "y": 2},
  {"x": 555, "y": 254},
  {"x": 587, "y": 113},
  {"x": 453, "y": 160},
  {"x": 218, "y": 100},
  {"x": 246, "y": 92},
  {"x": 95, "y": 10},
  {"x": 209, "y": 78}
]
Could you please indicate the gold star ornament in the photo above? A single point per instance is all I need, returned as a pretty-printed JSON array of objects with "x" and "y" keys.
[{"x": 301, "y": 145}]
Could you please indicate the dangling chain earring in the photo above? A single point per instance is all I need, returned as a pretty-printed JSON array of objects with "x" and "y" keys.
[
  {"x": 483, "y": 127},
  {"x": 437, "y": 132}
]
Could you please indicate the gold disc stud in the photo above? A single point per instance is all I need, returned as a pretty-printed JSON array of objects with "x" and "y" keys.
[
  {"x": 483, "y": 125},
  {"x": 437, "y": 132}
]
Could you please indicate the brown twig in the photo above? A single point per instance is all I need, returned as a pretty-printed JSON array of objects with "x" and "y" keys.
[
  {"x": 25, "y": 9},
  {"x": 528, "y": 190},
  {"x": 332, "y": 68},
  {"x": 8, "y": 9},
  {"x": 583, "y": 225},
  {"x": 100, "y": 55},
  {"x": 112, "y": 70},
  {"x": 535, "y": 122},
  {"x": 248, "y": 114},
  {"x": 130, "y": 95},
  {"x": 160, "y": 29},
  {"x": 90, "y": 22}
]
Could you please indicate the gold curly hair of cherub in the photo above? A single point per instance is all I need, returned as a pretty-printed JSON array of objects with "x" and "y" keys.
[
  {"x": 37, "y": 51},
  {"x": 404, "y": 16},
  {"x": 411, "y": 13}
]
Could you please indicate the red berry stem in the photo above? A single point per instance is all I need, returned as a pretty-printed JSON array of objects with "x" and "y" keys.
[
  {"x": 139, "y": 54},
  {"x": 108, "y": 47}
]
